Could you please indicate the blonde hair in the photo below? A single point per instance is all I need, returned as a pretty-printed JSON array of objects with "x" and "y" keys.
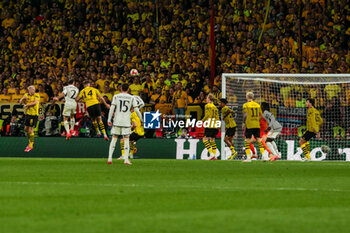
[
  {"x": 31, "y": 87},
  {"x": 250, "y": 95},
  {"x": 211, "y": 97}
]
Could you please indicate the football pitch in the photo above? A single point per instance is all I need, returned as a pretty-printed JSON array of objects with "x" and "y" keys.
[{"x": 87, "y": 195}]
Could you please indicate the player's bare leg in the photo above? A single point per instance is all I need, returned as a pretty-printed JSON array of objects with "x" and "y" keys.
[
  {"x": 263, "y": 141},
  {"x": 126, "y": 150},
  {"x": 111, "y": 148}
]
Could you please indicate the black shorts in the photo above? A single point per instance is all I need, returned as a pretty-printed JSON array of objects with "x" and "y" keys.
[
  {"x": 94, "y": 110},
  {"x": 30, "y": 120},
  {"x": 308, "y": 135},
  {"x": 134, "y": 137},
  {"x": 252, "y": 132},
  {"x": 210, "y": 132},
  {"x": 230, "y": 132}
]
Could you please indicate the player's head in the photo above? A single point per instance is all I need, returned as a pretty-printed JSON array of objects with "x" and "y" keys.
[
  {"x": 310, "y": 103},
  {"x": 265, "y": 106},
  {"x": 87, "y": 83},
  {"x": 125, "y": 87},
  {"x": 210, "y": 98},
  {"x": 31, "y": 90},
  {"x": 223, "y": 102},
  {"x": 71, "y": 81},
  {"x": 250, "y": 96}
]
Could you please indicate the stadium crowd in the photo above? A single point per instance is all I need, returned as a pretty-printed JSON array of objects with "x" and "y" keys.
[{"x": 46, "y": 43}]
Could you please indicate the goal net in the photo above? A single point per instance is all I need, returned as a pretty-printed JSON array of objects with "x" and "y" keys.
[{"x": 287, "y": 95}]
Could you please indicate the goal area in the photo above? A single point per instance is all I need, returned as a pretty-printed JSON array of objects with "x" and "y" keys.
[{"x": 286, "y": 95}]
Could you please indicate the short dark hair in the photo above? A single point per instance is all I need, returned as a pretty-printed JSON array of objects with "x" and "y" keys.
[
  {"x": 223, "y": 101},
  {"x": 265, "y": 106},
  {"x": 86, "y": 82},
  {"x": 125, "y": 87},
  {"x": 71, "y": 81},
  {"x": 312, "y": 101}
]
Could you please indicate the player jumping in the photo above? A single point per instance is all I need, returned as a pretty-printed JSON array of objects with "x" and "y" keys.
[
  {"x": 91, "y": 97},
  {"x": 31, "y": 107},
  {"x": 211, "y": 114},
  {"x": 121, "y": 106},
  {"x": 69, "y": 93},
  {"x": 251, "y": 126},
  {"x": 274, "y": 129},
  {"x": 313, "y": 122},
  {"x": 227, "y": 115}
]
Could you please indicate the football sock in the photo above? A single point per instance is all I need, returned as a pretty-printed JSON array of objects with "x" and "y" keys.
[
  {"x": 66, "y": 126},
  {"x": 126, "y": 149},
  {"x": 248, "y": 148},
  {"x": 213, "y": 146},
  {"x": 232, "y": 148},
  {"x": 132, "y": 148},
  {"x": 102, "y": 128},
  {"x": 207, "y": 145},
  {"x": 261, "y": 147},
  {"x": 275, "y": 147},
  {"x": 111, "y": 148},
  {"x": 122, "y": 147},
  {"x": 272, "y": 150},
  {"x": 31, "y": 139},
  {"x": 252, "y": 148},
  {"x": 306, "y": 149},
  {"x": 265, "y": 146},
  {"x": 95, "y": 124},
  {"x": 72, "y": 123}
]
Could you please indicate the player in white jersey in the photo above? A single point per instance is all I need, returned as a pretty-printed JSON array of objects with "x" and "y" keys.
[
  {"x": 69, "y": 93},
  {"x": 121, "y": 108},
  {"x": 274, "y": 129}
]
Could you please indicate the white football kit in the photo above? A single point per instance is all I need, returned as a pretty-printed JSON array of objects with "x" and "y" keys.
[
  {"x": 276, "y": 127},
  {"x": 70, "y": 93},
  {"x": 120, "y": 107}
]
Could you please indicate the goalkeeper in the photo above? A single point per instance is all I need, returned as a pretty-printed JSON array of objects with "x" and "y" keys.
[{"x": 313, "y": 122}]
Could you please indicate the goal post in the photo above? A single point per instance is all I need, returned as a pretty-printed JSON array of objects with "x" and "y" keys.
[{"x": 287, "y": 95}]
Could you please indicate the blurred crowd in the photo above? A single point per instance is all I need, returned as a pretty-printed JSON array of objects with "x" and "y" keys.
[{"x": 45, "y": 43}]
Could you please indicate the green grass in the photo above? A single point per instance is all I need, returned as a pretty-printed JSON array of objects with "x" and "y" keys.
[{"x": 86, "y": 195}]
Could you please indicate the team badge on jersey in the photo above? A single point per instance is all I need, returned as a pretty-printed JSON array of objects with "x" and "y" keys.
[{"x": 151, "y": 120}]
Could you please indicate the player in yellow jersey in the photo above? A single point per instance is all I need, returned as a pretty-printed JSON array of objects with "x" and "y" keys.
[
  {"x": 91, "y": 97},
  {"x": 227, "y": 115},
  {"x": 211, "y": 114},
  {"x": 313, "y": 122},
  {"x": 31, "y": 107},
  {"x": 251, "y": 126},
  {"x": 137, "y": 133}
]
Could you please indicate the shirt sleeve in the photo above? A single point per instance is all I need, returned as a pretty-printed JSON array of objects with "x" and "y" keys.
[{"x": 64, "y": 90}]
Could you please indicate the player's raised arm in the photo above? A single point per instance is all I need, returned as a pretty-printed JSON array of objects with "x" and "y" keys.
[
  {"x": 103, "y": 100},
  {"x": 21, "y": 101},
  {"x": 59, "y": 97}
]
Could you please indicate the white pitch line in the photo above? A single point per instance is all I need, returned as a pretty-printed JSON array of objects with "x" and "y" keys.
[{"x": 227, "y": 188}]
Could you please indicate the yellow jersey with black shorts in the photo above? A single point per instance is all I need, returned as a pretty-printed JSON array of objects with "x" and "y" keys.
[
  {"x": 313, "y": 122},
  {"x": 32, "y": 112},
  {"x": 229, "y": 121},
  {"x": 90, "y": 96},
  {"x": 211, "y": 114},
  {"x": 138, "y": 131},
  {"x": 252, "y": 121}
]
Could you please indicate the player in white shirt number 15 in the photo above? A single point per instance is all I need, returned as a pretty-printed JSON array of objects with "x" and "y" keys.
[{"x": 121, "y": 109}]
